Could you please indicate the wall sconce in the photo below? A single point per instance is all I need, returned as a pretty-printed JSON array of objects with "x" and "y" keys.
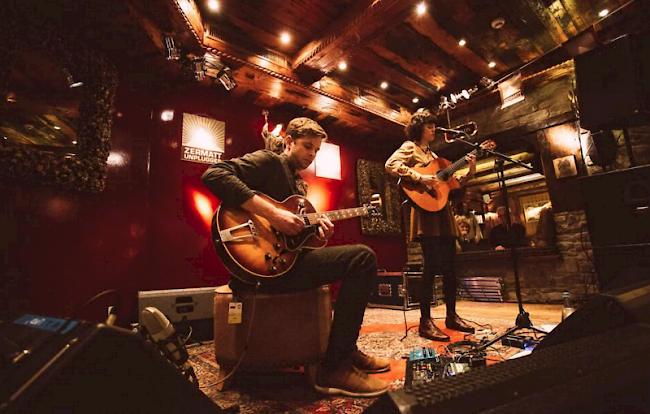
[
  {"x": 172, "y": 52},
  {"x": 328, "y": 161},
  {"x": 71, "y": 82}
]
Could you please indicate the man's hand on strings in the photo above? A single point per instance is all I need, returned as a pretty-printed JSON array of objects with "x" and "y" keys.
[{"x": 325, "y": 228}]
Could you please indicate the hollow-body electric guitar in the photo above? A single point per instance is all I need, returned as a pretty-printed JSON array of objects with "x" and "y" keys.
[
  {"x": 434, "y": 199},
  {"x": 252, "y": 250}
]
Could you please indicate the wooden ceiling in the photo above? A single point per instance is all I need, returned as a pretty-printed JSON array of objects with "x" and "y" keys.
[{"x": 417, "y": 54}]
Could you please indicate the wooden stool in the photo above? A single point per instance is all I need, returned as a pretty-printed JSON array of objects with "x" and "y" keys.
[{"x": 289, "y": 330}]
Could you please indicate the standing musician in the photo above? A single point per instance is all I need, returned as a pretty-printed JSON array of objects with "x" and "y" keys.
[
  {"x": 436, "y": 231},
  {"x": 344, "y": 368}
]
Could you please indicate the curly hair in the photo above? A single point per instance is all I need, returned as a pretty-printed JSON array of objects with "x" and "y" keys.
[{"x": 420, "y": 118}]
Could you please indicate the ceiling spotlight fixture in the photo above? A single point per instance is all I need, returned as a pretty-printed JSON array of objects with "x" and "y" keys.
[
  {"x": 74, "y": 142},
  {"x": 172, "y": 52},
  {"x": 213, "y": 5},
  {"x": 285, "y": 38},
  {"x": 343, "y": 65},
  {"x": 212, "y": 66},
  {"x": 71, "y": 82},
  {"x": 199, "y": 68},
  {"x": 453, "y": 98},
  {"x": 498, "y": 23},
  {"x": 384, "y": 85},
  {"x": 421, "y": 9},
  {"x": 492, "y": 64},
  {"x": 416, "y": 100},
  {"x": 57, "y": 127},
  {"x": 462, "y": 42},
  {"x": 603, "y": 13}
]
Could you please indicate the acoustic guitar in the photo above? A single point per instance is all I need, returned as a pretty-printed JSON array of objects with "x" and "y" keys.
[
  {"x": 252, "y": 250},
  {"x": 435, "y": 199}
]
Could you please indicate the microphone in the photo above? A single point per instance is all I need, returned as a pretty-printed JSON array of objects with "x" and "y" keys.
[
  {"x": 450, "y": 131},
  {"x": 167, "y": 340}
]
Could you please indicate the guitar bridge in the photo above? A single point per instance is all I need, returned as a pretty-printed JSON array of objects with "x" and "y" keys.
[{"x": 226, "y": 235}]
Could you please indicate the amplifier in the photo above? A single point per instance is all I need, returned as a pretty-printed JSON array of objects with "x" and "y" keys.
[{"x": 400, "y": 290}]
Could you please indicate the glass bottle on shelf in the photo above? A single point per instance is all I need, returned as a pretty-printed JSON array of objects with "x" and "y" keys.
[{"x": 568, "y": 308}]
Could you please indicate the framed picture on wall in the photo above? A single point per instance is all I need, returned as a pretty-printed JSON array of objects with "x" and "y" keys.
[
  {"x": 373, "y": 183},
  {"x": 565, "y": 166}
]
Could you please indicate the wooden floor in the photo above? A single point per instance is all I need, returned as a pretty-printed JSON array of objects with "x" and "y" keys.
[
  {"x": 539, "y": 312},
  {"x": 481, "y": 312}
]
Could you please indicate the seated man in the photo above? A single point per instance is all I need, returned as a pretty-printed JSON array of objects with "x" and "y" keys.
[
  {"x": 502, "y": 236},
  {"x": 344, "y": 368}
]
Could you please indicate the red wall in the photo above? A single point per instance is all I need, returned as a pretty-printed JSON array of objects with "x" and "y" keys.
[{"x": 150, "y": 228}]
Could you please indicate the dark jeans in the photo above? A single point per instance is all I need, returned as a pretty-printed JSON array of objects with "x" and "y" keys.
[
  {"x": 355, "y": 266},
  {"x": 439, "y": 254}
]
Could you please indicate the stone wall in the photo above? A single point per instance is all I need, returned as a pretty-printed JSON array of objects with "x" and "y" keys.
[{"x": 544, "y": 274}]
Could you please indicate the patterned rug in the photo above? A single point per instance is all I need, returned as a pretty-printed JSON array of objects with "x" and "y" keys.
[{"x": 289, "y": 391}]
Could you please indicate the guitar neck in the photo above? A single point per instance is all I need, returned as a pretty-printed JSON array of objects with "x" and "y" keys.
[
  {"x": 334, "y": 215},
  {"x": 447, "y": 172}
]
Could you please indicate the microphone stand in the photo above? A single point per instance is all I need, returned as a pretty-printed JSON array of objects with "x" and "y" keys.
[{"x": 523, "y": 318}]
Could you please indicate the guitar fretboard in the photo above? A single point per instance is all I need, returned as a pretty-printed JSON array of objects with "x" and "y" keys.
[
  {"x": 334, "y": 215},
  {"x": 444, "y": 174}
]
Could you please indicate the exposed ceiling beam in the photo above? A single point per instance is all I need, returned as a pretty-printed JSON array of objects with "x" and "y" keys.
[
  {"x": 356, "y": 28},
  {"x": 427, "y": 26},
  {"x": 265, "y": 76}
]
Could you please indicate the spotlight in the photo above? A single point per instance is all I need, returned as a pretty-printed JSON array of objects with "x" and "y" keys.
[
  {"x": 172, "y": 52},
  {"x": 226, "y": 79},
  {"x": 71, "y": 82},
  {"x": 199, "y": 68},
  {"x": 213, "y": 5},
  {"x": 285, "y": 38},
  {"x": 384, "y": 85},
  {"x": 462, "y": 42},
  {"x": 167, "y": 115},
  {"x": 416, "y": 100},
  {"x": 343, "y": 65},
  {"x": 603, "y": 13},
  {"x": 421, "y": 9},
  {"x": 492, "y": 64}
]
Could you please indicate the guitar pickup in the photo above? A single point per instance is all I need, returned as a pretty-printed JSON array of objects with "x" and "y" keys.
[{"x": 227, "y": 236}]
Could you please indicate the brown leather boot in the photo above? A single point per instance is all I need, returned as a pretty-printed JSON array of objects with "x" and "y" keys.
[
  {"x": 454, "y": 322},
  {"x": 430, "y": 331},
  {"x": 368, "y": 364},
  {"x": 350, "y": 381}
]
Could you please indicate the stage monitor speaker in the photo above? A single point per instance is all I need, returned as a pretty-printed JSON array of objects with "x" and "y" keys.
[
  {"x": 604, "y": 373},
  {"x": 604, "y": 312},
  {"x": 613, "y": 85},
  {"x": 89, "y": 368}
]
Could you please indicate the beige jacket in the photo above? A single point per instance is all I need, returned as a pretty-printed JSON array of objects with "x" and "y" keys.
[{"x": 423, "y": 223}]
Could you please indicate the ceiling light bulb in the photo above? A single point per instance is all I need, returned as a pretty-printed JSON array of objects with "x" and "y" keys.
[
  {"x": 492, "y": 64},
  {"x": 384, "y": 85},
  {"x": 343, "y": 65},
  {"x": 74, "y": 142},
  {"x": 213, "y": 5},
  {"x": 416, "y": 100},
  {"x": 462, "y": 42},
  {"x": 57, "y": 127},
  {"x": 453, "y": 98},
  {"x": 421, "y": 9},
  {"x": 603, "y": 13},
  {"x": 465, "y": 94},
  {"x": 285, "y": 38}
]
